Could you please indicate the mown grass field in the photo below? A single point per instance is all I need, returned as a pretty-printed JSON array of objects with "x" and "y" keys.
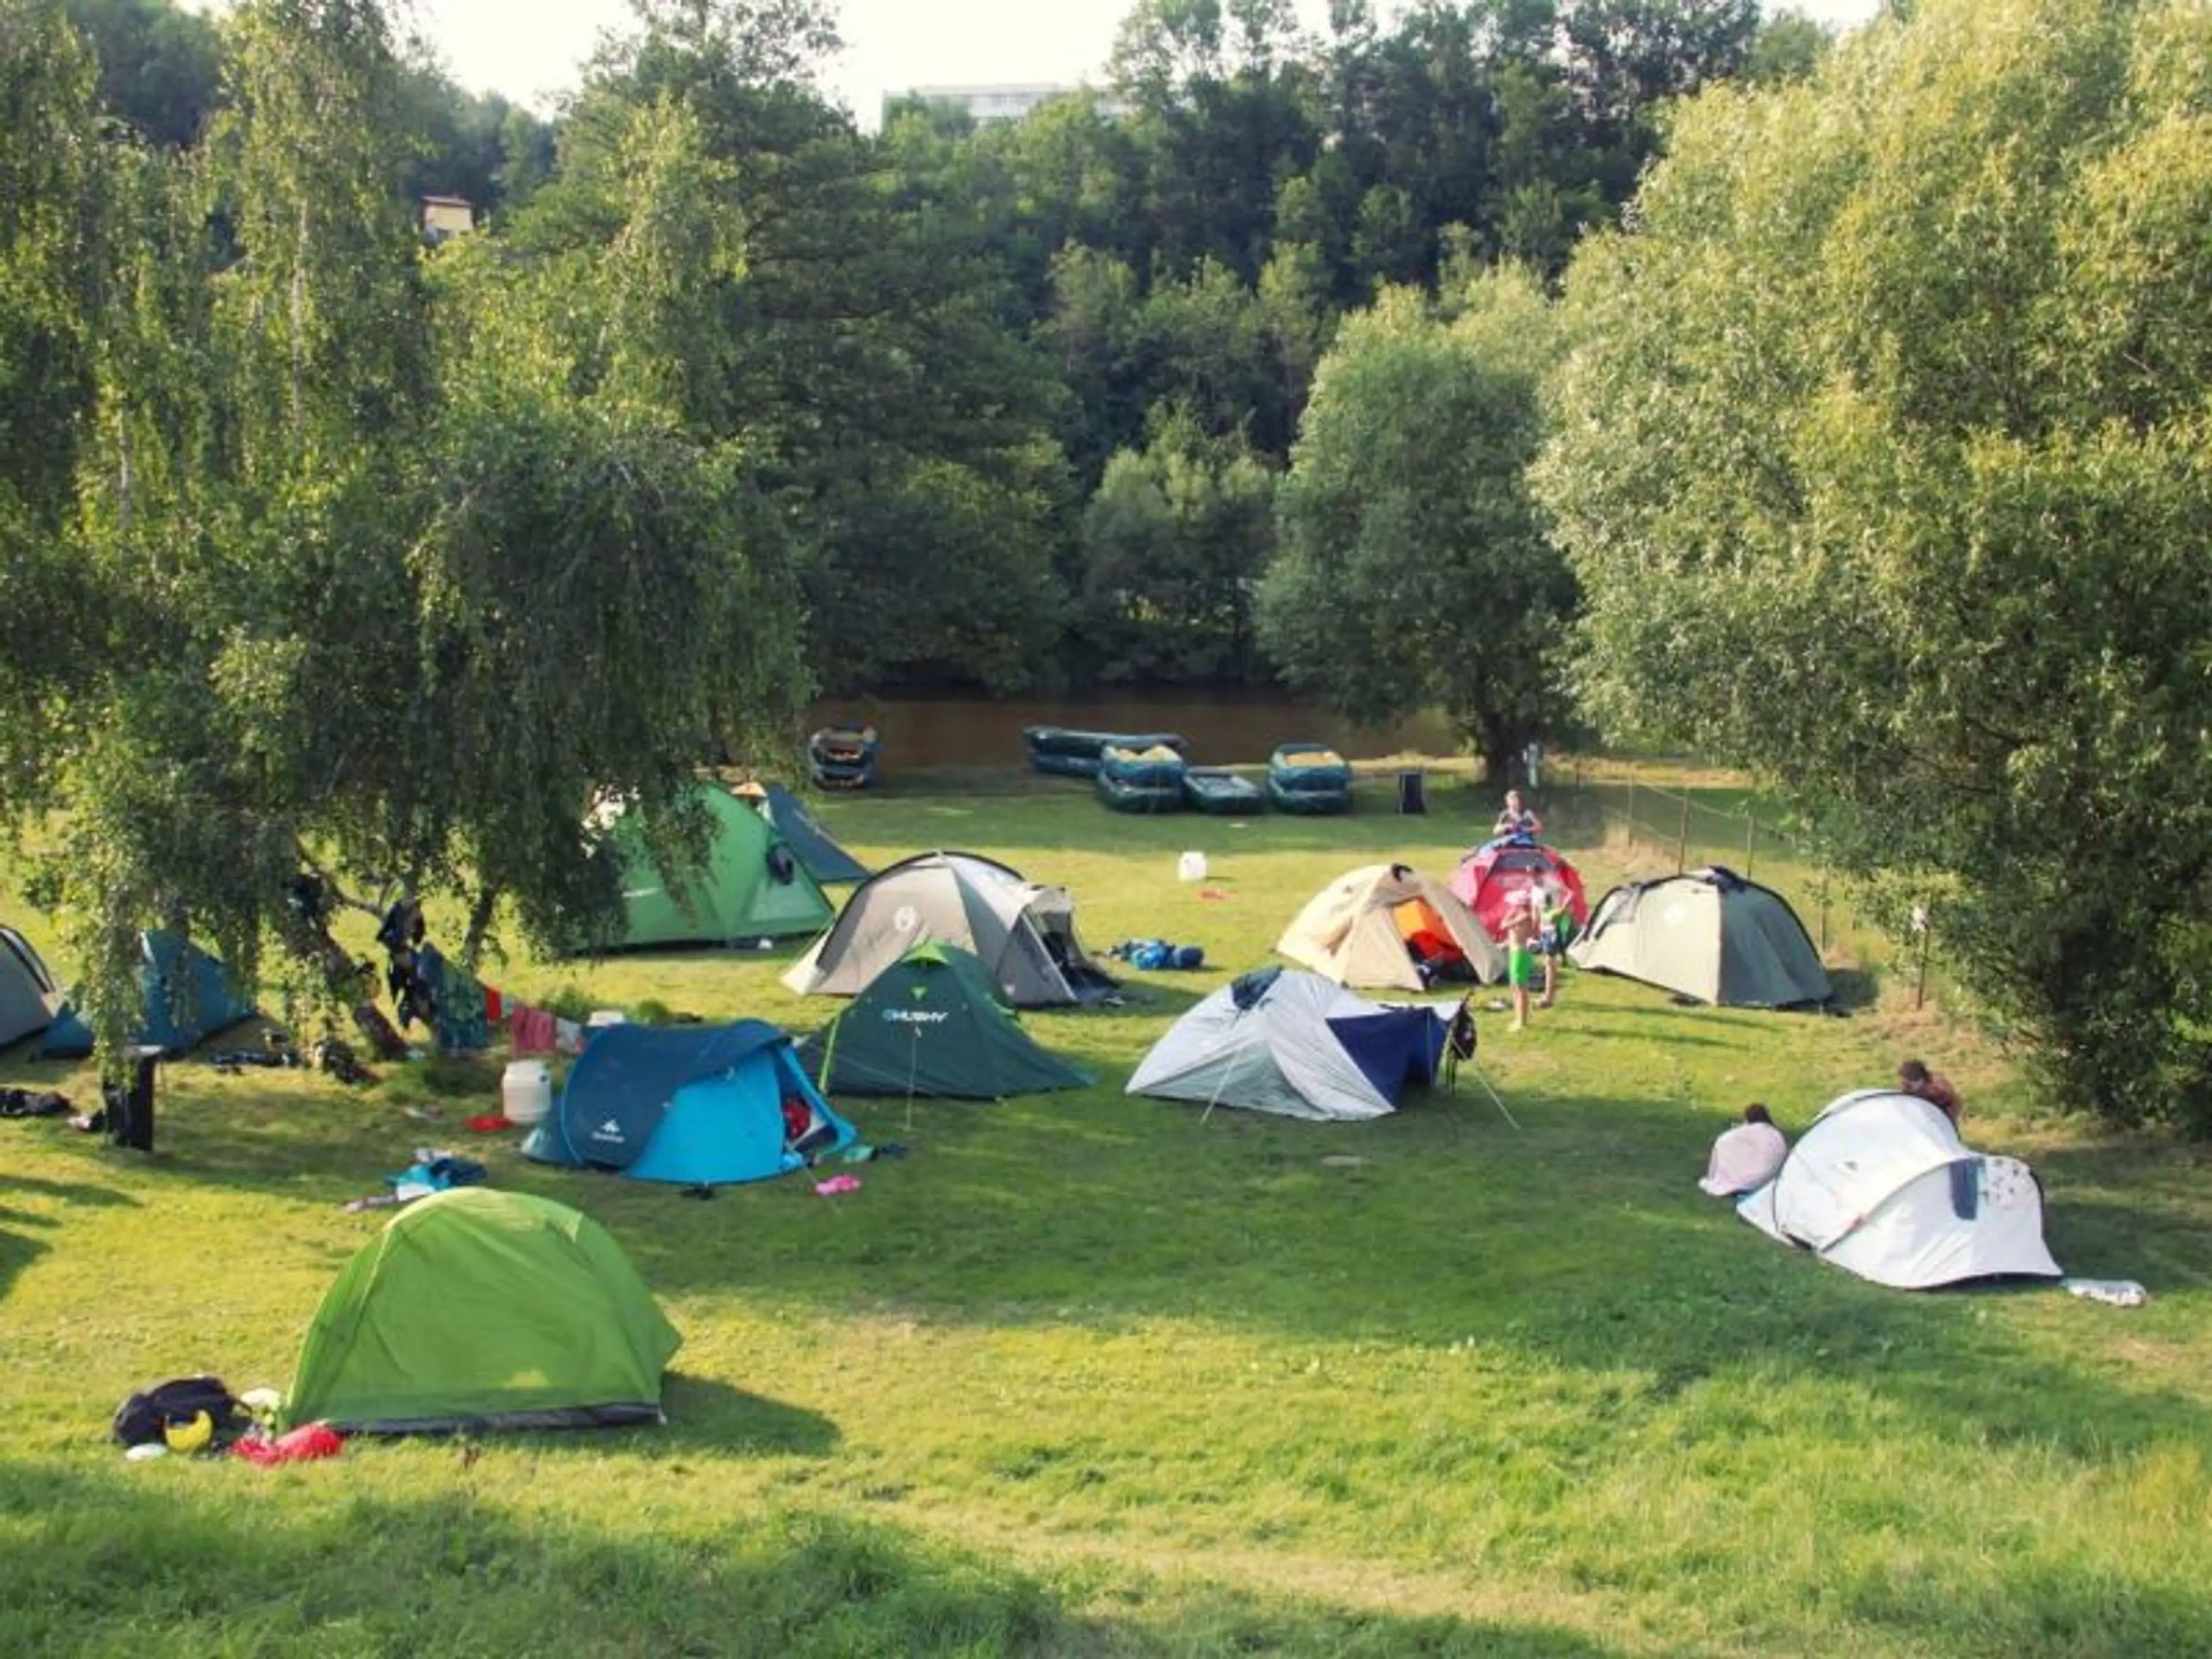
[{"x": 1088, "y": 1375}]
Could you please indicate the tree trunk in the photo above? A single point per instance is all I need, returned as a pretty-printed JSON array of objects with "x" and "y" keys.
[
  {"x": 480, "y": 916},
  {"x": 350, "y": 983}
]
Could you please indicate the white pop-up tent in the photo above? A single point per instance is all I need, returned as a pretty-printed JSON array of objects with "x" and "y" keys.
[{"x": 1882, "y": 1185}]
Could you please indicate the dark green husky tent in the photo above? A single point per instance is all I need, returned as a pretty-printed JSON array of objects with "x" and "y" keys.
[
  {"x": 931, "y": 1024},
  {"x": 476, "y": 1308},
  {"x": 754, "y": 885}
]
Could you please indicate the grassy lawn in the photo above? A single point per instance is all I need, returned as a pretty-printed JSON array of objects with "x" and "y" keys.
[{"x": 1090, "y": 1375}]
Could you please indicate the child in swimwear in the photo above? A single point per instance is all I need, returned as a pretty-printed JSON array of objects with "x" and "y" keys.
[{"x": 1520, "y": 960}]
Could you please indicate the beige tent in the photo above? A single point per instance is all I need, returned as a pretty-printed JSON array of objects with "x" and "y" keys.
[{"x": 1385, "y": 925}]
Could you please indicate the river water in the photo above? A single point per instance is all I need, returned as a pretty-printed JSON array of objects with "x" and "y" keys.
[{"x": 1224, "y": 728}]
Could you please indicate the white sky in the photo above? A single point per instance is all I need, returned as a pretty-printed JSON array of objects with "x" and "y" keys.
[{"x": 530, "y": 49}]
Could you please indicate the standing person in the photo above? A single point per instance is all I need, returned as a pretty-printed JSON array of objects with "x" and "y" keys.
[
  {"x": 1516, "y": 819},
  {"x": 1745, "y": 1157},
  {"x": 1554, "y": 923},
  {"x": 1520, "y": 960},
  {"x": 1913, "y": 1077}
]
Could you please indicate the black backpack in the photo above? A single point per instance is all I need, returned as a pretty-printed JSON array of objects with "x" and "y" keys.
[{"x": 140, "y": 1420}]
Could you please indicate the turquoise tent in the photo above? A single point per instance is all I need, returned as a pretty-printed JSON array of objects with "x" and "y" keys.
[
  {"x": 932, "y": 1024},
  {"x": 698, "y": 1105},
  {"x": 189, "y": 998}
]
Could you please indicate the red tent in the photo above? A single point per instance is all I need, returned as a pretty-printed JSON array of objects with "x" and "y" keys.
[{"x": 1495, "y": 877}]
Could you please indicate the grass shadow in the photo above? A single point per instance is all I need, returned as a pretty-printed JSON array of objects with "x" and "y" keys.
[{"x": 185, "y": 1564}]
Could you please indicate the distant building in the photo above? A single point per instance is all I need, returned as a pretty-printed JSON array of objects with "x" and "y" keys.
[
  {"x": 447, "y": 215},
  {"x": 1007, "y": 102}
]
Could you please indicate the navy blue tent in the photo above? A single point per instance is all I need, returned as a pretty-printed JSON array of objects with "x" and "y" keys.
[
  {"x": 817, "y": 849},
  {"x": 189, "y": 998},
  {"x": 698, "y": 1105}
]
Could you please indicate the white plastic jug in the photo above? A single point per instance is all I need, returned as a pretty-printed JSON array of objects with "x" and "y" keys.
[
  {"x": 1191, "y": 867},
  {"x": 525, "y": 1090}
]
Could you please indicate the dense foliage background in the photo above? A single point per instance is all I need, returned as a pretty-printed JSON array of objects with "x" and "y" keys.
[{"x": 1839, "y": 410}]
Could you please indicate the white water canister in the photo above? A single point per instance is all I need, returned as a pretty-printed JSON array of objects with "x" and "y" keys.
[
  {"x": 603, "y": 1017},
  {"x": 525, "y": 1090},
  {"x": 1191, "y": 867}
]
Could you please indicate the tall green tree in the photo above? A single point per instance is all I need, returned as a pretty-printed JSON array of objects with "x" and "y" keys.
[
  {"x": 1173, "y": 541},
  {"x": 1883, "y": 459},
  {"x": 56, "y": 221},
  {"x": 395, "y": 580},
  {"x": 1414, "y": 571}
]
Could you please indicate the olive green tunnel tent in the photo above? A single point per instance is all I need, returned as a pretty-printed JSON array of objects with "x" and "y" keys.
[
  {"x": 478, "y": 1309},
  {"x": 753, "y": 885},
  {"x": 933, "y": 1025},
  {"x": 1710, "y": 935}
]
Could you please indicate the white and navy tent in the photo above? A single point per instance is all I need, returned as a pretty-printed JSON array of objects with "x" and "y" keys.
[
  {"x": 1882, "y": 1185},
  {"x": 1297, "y": 1044}
]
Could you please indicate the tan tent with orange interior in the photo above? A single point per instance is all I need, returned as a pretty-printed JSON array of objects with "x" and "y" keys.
[{"x": 1389, "y": 926}]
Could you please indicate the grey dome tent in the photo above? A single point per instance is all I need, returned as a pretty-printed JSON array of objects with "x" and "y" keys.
[
  {"x": 931, "y": 1025},
  {"x": 1710, "y": 935},
  {"x": 1023, "y": 932},
  {"x": 28, "y": 998}
]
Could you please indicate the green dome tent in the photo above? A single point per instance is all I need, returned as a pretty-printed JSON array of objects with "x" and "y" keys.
[
  {"x": 753, "y": 885},
  {"x": 932, "y": 1023},
  {"x": 476, "y": 1309}
]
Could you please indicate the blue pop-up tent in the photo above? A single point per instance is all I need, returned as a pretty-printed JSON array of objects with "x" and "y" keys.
[
  {"x": 698, "y": 1105},
  {"x": 189, "y": 998}
]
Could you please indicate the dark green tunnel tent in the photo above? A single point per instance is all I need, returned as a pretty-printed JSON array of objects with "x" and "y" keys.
[
  {"x": 932, "y": 1025},
  {"x": 189, "y": 995}
]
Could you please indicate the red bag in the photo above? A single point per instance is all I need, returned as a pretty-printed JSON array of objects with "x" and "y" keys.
[{"x": 308, "y": 1442}]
